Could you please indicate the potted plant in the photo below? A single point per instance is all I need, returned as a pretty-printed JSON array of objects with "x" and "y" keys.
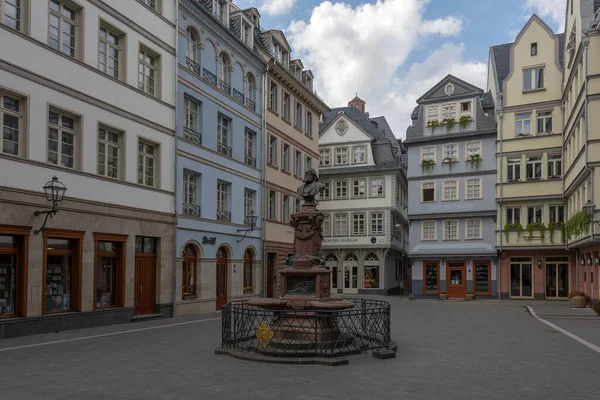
[
  {"x": 449, "y": 122},
  {"x": 578, "y": 299},
  {"x": 596, "y": 307},
  {"x": 508, "y": 227},
  {"x": 470, "y": 296},
  {"x": 427, "y": 165},
  {"x": 464, "y": 120},
  {"x": 433, "y": 124},
  {"x": 443, "y": 295},
  {"x": 247, "y": 289},
  {"x": 474, "y": 159}
]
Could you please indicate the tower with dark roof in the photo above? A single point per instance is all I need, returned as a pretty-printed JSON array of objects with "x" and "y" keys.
[{"x": 358, "y": 103}]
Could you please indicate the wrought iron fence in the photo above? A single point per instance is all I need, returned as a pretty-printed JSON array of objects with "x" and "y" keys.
[
  {"x": 191, "y": 209},
  {"x": 209, "y": 76},
  {"x": 307, "y": 333},
  {"x": 192, "y": 135},
  {"x": 223, "y": 215},
  {"x": 193, "y": 65},
  {"x": 250, "y": 104},
  {"x": 239, "y": 96},
  {"x": 224, "y": 149},
  {"x": 224, "y": 86},
  {"x": 250, "y": 160}
]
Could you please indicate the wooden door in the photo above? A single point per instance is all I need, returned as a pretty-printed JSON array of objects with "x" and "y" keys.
[
  {"x": 145, "y": 284},
  {"x": 221, "y": 282},
  {"x": 271, "y": 277},
  {"x": 456, "y": 279}
]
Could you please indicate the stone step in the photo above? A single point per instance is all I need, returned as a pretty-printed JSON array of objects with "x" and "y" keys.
[{"x": 146, "y": 317}]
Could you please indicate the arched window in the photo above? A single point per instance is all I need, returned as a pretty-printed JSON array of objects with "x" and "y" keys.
[
  {"x": 371, "y": 257},
  {"x": 222, "y": 262},
  {"x": 371, "y": 271},
  {"x": 191, "y": 50},
  {"x": 250, "y": 84},
  {"x": 351, "y": 257},
  {"x": 224, "y": 68},
  {"x": 331, "y": 257},
  {"x": 248, "y": 271},
  {"x": 190, "y": 270}
]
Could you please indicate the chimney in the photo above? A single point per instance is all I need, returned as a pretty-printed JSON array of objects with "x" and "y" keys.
[{"x": 358, "y": 103}]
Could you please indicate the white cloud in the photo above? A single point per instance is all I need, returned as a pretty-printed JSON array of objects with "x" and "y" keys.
[
  {"x": 276, "y": 7},
  {"x": 554, "y": 10},
  {"x": 365, "y": 50}
]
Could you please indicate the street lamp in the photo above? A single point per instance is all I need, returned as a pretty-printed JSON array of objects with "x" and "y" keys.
[
  {"x": 250, "y": 222},
  {"x": 589, "y": 210},
  {"x": 55, "y": 191}
]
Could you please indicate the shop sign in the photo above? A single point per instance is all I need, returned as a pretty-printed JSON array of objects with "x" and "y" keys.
[
  {"x": 355, "y": 240},
  {"x": 209, "y": 240}
]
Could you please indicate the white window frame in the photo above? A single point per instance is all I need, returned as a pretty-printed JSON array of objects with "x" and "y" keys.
[
  {"x": 326, "y": 193},
  {"x": 531, "y": 74},
  {"x": 326, "y": 225},
  {"x": 62, "y": 20},
  {"x": 308, "y": 163},
  {"x": 475, "y": 148},
  {"x": 63, "y": 132},
  {"x": 534, "y": 164},
  {"x": 223, "y": 132},
  {"x": 448, "y": 110},
  {"x": 309, "y": 124},
  {"x": 452, "y": 225},
  {"x": 109, "y": 45},
  {"x": 374, "y": 217},
  {"x": 17, "y": 114},
  {"x": 555, "y": 214},
  {"x": 285, "y": 158},
  {"x": 475, "y": 183},
  {"x": 273, "y": 149},
  {"x": 511, "y": 172},
  {"x": 249, "y": 139},
  {"x": 325, "y": 157},
  {"x": 249, "y": 196},
  {"x": 428, "y": 230},
  {"x": 191, "y": 120},
  {"x": 473, "y": 226},
  {"x": 354, "y": 154},
  {"x": 273, "y": 96},
  {"x": 544, "y": 117},
  {"x": 430, "y": 183},
  {"x": 147, "y": 161},
  {"x": 512, "y": 219},
  {"x": 521, "y": 124},
  {"x": 341, "y": 222},
  {"x": 285, "y": 208},
  {"x": 454, "y": 186},
  {"x": 535, "y": 209},
  {"x": 107, "y": 144},
  {"x": 375, "y": 181},
  {"x": 556, "y": 164},
  {"x": 297, "y": 163},
  {"x": 426, "y": 154},
  {"x": 298, "y": 116},
  {"x": 433, "y": 113},
  {"x": 358, "y": 221},
  {"x": 272, "y": 206},
  {"x": 340, "y": 186},
  {"x": 342, "y": 153},
  {"x": 223, "y": 191},
  {"x": 149, "y": 62},
  {"x": 447, "y": 151},
  {"x": 286, "y": 107},
  {"x": 190, "y": 187},
  {"x": 19, "y": 20},
  {"x": 360, "y": 195}
]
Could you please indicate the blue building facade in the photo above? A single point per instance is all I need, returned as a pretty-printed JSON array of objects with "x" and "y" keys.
[
  {"x": 451, "y": 189},
  {"x": 219, "y": 156}
]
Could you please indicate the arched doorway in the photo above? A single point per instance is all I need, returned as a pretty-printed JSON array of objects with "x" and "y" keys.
[
  {"x": 248, "y": 264},
  {"x": 221, "y": 277},
  {"x": 371, "y": 271},
  {"x": 189, "y": 271},
  {"x": 350, "y": 273},
  {"x": 331, "y": 262}
]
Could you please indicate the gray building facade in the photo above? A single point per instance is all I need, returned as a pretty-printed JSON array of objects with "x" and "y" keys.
[{"x": 451, "y": 191}]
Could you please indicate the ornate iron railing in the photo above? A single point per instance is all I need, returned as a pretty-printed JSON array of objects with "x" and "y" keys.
[
  {"x": 209, "y": 76},
  {"x": 224, "y": 86},
  {"x": 223, "y": 149},
  {"x": 192, "y": 136},
  {"x": 239, "y": 96},
  {"x": 250, "y": 160},
  {"x": 223, "y": 215},
  {"x": 191, "y": 209},
  {"x": 193, "y": 65},
  {"x": 251, "y": 104},
  {"x": 307, "y": 333}
]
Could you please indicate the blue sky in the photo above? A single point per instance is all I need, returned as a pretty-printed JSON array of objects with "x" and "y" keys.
[{"x": 406, "y": 45}]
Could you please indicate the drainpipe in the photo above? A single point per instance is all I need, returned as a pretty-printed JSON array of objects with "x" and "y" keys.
[
  {"x": 586, "y": 42},
  {"x": 175, "y": 187},
  {"x": 499, "y": 217},
  {"x": 264, "y": 198}
]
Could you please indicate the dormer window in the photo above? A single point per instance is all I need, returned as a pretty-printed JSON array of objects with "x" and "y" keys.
[
  {"x": 278, "y": 52},
  {"x": 246, "y": 33},
  {"x": 220, "y": 10}
]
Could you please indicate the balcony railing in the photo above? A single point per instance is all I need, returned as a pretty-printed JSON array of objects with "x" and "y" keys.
[
  {"x": 209, "y": 76},
  {"x": 224, "y": 86},
  {"x": 191, "y": 209},
  {"x": 250, "y": 160},
  {"x": 193, "y": 65},
  {"x": 239, "y": 96},
  {"x": 250, "y": 104},
  {"x": 224, "y": 149},
  {"x": 192, "y": 136},
  {"x": 223, "y": 215}
]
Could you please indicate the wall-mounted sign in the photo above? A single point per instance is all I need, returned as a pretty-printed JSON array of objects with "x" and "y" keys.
[
  {"x": 209, "y": 240},
  {"x": 360, "y": 240},
  {"x": 373, "y": 240}
]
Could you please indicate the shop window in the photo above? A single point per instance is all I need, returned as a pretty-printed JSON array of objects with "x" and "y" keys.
[
  {"x": 62, "y": 271},
  {"x": 371, "y": 280},
  {"x": 482, "y": 275},
  {"x": 14, "y": 242},
  {"x": 110, "y": 270},
  {"x": 248, "y": 261},
  {"x": 431, "y": 277},
  {"x": 190, "y": 268}
]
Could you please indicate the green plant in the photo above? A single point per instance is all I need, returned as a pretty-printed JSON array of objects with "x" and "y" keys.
[
  {"x": 474, "y": 159},
  {"x": 450, "y": 122},
  {"x": 577, "y": 225},
  {"x": 427, "y": 165},
  {"x": 434, "y": 123},
  {"x": 524, "y": 135},
  {"x": 464, "y": 120},
  {"x": 247, "y": 288},
  {"x": 574, "y": 293},
  {"x": 536, "y": 225},
  {"x": 508, "y": 227},
  {"x": 552, "y": 226}
]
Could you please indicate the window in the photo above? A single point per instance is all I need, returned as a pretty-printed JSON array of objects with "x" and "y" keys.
[
  {"x": 544, "y": 122},
  {"x": 62, "y": 129},
  {"x": 223, "y": 213},
  {"x": 325, "y": 194},
  {"x": 473, "y": 148},
  {"x": 451, "y": 151},
  {"x": 11, "y": 13},
  {"x": 272, "y": 205},
  {"x": 273, "y": 151},
  {"x": 431, "y": 276},
  {"x": 146, "y": 163},
  {"x": 554, "y": 165},
  {"x": 428, "y": 191},
  {"x": 249, "y": 201},
  {"x": 147, "y": 71},
  {"x": 534, "y": 214},
  {"x": 287, "y": 100},
  {"x": 224, "y": 66},
  {"x": 191, "y": 48},
  {"x": 377, "y": 223},
  {"x": 190, "y": 262},
  {"x": 250, "y": 85},
  {"x": 341, "y": 225},
  {"x": 285, "y": 208},
  {"x": 341, "y": 155},
  {"x": 60, "y": 274},
  {"x": 285, "y": 158},
  {"x": 514, "y": 169},
  {"x": 377, "y": 187},
  {"x": 428, "y": 230},
  {"x": 534, "y": 168},
  {"x": 221, "y": 11},
  {"x": 110, "y": 270},
  {"x": 451, "y": 229},
  {"x": 533, "y": 78},
  {"x": 450, "y": 190},
  {"x": 277, "y": 52},
  {"x": 448, "y": 111},
  {"x": 150, "y": 3},
  {"x": 63, "y": 27},
  {"x": 358, "y": 224},
  {"x": 248, "y": 266},
  {"x": 11, "y": 116},
  {"x": 308, "y": 163},
  {"x": 341, "y": 189},
  {"x": 296, "y": 205},
  {"x": 557, "y": 214},
  {"x": 309, "y": 124},
  {"x": 523, "y": 125},
  {"x": 359, "y": 189},
  {"x": 474, "y": 188},
  {"x": 433, "y": 113},
  {"x": 473, "y": 228},
  {"x": 325, "y": 157},
  {"x": 465, "y": 108},
  {"x": 108, "y": 152},
  {"x": 358, "y": 155},
  {"x": 190, "y": 193},
  {"x": 249, "y": 139},
  {"x": 513, "y": 215},
  {"x": 13, "y": 299},
  {"x": 109, "y": 51},
  {"x": 428, "y": 153},
  {"x": 245, "y": 34},
  {"x": 223, "y": 125},
  {"x": 371, "y": 271},
  {"x": 298, "y": 116},
  {"x": 298, "y": 164},
  {"x": 191, "y": 121},
  {"x": 273, "y": 97}
]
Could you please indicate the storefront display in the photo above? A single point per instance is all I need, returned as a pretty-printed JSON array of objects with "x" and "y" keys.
[
  {"x": 8, "y": 275},
  {"x": 431, "y": 277},
  {"x": 371, "y": 277},
  {"x": 106, "y": 274},
  {"x": 482, "y": 277},
  {"x": 59, "y": 261}
]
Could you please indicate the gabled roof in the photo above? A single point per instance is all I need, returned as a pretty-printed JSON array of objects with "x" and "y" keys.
[
  {"x": 277, "y": 34},
  {"x": 356, "y": 98},
  {"x": 436, "y": 93}
]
